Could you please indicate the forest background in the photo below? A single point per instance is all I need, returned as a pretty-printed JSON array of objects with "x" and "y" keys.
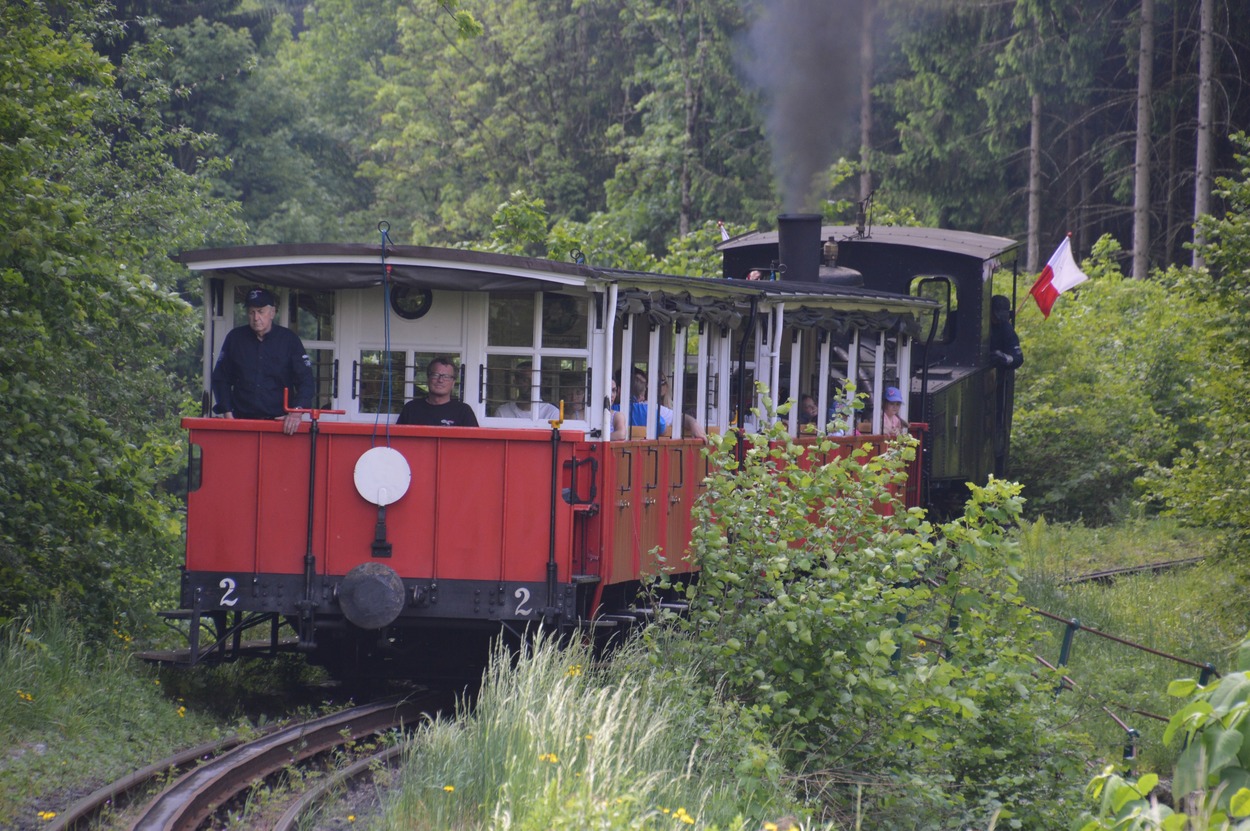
[{"x": 626, "y": 129}]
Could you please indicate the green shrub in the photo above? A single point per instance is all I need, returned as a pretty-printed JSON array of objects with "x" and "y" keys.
[
  {"x": 887, "y": 657},
  {"x": 1106, "y": 391}
]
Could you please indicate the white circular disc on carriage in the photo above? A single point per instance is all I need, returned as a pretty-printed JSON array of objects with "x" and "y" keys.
[{"x": 382, "y": 475}]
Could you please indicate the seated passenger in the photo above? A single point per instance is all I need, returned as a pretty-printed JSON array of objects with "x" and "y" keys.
[
  {"x": 524, "y": 407},
  {"x": 690, "y": 426},
  {"x": 573, "y": 391},
  {"x": 639, "y": 409},
  {"x": 891, "y": 423},
  {"x": 809, "y": 414},
  {"x": 438, "y": 408},
  {"x": 620, "y": 430}
]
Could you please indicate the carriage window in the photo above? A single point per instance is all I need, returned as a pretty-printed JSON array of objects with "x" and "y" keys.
[
  {"x": 511, "y": 319},
  {"x": 564, "y": 321},
  {"x": 371, "y": 377},
  {"x": 372, "y": 390},
  {"x": 312, "y": 314},
  {"x": 323, "y": 377},
  {"x": 537, "y": 349},
  {"x": 941, "y": 289}
]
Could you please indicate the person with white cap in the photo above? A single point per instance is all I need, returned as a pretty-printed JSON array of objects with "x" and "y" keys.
[{"x": 257, "y": 362}]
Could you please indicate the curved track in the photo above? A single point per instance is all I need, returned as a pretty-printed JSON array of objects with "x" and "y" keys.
[{"x": 212, "y": 775}]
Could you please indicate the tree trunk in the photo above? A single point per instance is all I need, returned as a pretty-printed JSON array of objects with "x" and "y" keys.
[
  {"x": 1141, "y": 164},
  {"x": 1035, "y": 185},
  {"x": 1206, "y": 144}
]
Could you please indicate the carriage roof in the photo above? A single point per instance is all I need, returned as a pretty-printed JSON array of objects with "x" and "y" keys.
[
  {"x": 963, "y": 243},
  {"x": 330, "y": 266}
]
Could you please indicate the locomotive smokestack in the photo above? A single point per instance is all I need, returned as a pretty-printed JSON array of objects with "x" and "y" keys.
[{"x": 798, "y": 243}]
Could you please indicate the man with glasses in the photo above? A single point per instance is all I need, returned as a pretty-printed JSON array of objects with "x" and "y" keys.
[{"x": 438, "y": 408}]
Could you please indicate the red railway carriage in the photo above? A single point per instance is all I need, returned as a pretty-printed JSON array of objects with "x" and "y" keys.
[{"x": 398, "y": 550}]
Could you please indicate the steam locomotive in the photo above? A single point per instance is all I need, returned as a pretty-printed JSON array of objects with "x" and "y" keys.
[{"x": 383, "y": 550}]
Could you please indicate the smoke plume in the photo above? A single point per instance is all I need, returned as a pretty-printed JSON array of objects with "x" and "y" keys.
[{"x": 802, "y": 55}]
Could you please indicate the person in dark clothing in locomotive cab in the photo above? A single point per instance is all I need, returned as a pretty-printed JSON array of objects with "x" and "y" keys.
[
  {"x": 257, "y": 362},
  {"x": 438, "y": 408},
  {"x": 1004, "y": 343}
]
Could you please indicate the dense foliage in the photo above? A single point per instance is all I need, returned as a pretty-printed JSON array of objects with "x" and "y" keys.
[
  {"x": 879, "y": 651},
  {"x": 663, "y": 117},
  {"x": 1207, "y": 484},
  {"x": 1109, "y": 379},
  {"x": 90, "y": 328}
]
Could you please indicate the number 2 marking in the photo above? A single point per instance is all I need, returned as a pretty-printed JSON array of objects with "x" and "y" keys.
[
  {"x": 522, "y": 594},
  {"x": 227, "y": 599}
]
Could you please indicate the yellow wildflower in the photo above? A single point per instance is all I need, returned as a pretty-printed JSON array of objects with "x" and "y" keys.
[{"x": 449, "y": 788}]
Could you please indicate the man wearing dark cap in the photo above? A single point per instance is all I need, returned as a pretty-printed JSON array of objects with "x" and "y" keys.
[{"x": 257, "y": 362}]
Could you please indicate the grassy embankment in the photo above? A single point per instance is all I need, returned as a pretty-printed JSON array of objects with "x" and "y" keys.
[
  {"x": 1195, "y": 612},
  {"x": 561, "y": 744}
]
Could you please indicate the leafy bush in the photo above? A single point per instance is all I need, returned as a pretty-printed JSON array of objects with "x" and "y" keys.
[
  {"x": 91, "y": 331},
  {"x": 877, "y": 650}
]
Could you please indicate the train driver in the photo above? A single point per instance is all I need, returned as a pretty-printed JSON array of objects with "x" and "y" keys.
[
  {"x": 257, "y": 362},
  {"x": 523, "y": 378},
  {"x": 438, "y": 408},
  {"x": 1004, "y": 342}
]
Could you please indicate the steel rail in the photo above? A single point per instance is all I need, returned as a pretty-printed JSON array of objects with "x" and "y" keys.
[
  {"x": 320, "y": 792},
  {"x": 91, "y": 805},
  {"x": 190, "y": 800}
]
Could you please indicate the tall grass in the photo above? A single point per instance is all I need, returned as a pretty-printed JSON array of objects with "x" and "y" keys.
[
  {"x": 557, "y": 742},
  {"x": 73, "y": 717},
  {"x": 1187, "y": 612}
]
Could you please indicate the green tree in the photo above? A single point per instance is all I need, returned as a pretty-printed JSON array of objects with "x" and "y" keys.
[
  {"x": 693, "y": 149},
  {"x": 93, "y": 208},
  {"x": 1106, "y": 390},
  {"x": 1207, "y": 485}
]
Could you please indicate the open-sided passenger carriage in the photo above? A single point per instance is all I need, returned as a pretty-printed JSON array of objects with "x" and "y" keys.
[{"x": 522, "y": 520}]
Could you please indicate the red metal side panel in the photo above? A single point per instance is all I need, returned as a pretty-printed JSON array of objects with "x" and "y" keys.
[
  {"x": 649, "y": 489},
  {"x": 222, "y": 512},
  {"x": 478, "y": 506}
]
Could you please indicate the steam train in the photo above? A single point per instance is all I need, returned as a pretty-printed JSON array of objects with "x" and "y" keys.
[{"x": 381, "y": 549}]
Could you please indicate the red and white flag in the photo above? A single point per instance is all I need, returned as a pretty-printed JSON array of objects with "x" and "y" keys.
[
  {"x": 1060, "y": 274},
  {"x": 724, "y": 232}
]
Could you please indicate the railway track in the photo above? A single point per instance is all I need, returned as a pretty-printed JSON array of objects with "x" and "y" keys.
[
  {"x": 208, "y": 778},
  {"x": 1110, "y": 575}
]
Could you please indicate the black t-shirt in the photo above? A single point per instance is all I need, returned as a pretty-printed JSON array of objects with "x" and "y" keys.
[{"x": 452, "y": 414}]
